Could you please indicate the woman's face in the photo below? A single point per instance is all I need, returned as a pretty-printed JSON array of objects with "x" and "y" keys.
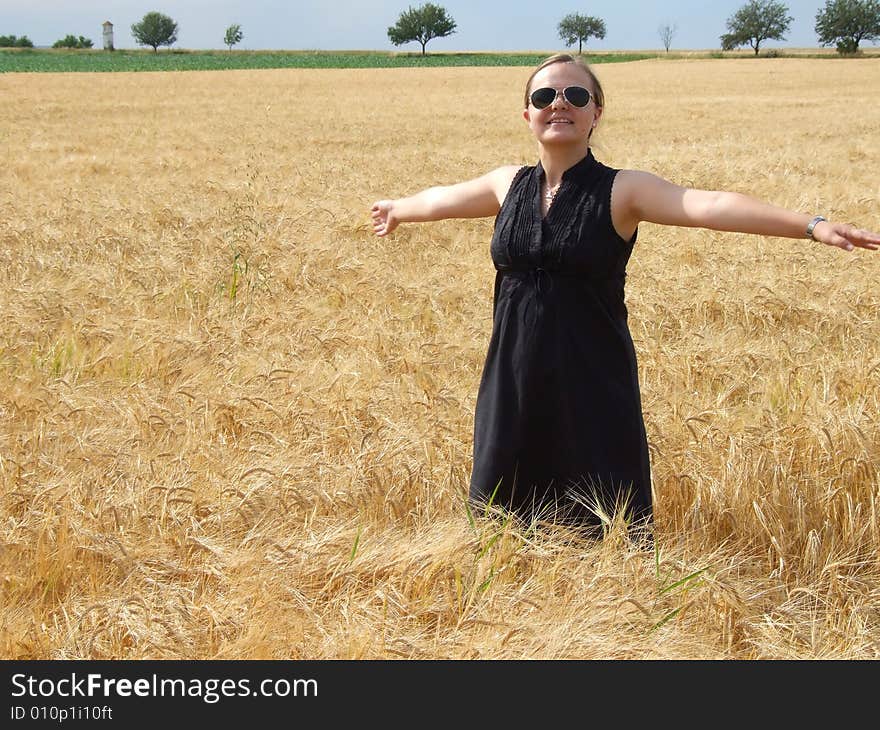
[{"x": 562, "y": 123}]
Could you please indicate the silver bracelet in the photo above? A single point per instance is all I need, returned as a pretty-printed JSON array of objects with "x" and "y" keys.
[{"x": 812, "y": 224}]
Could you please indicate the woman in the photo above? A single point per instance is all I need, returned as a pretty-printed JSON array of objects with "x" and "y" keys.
[{"x": 558, "y": 429}]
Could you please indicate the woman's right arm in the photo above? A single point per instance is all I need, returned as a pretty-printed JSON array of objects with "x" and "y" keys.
[{"x": 477, "y": 198}]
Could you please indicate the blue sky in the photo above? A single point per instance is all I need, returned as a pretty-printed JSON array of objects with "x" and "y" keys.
[{"x": 508, "y": 25}]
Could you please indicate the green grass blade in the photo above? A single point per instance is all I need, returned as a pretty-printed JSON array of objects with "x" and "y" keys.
[
  {"x": 668, "y": 617},
  {"x": 683, "y": 580},
  {"x": 357, "y": 539}
]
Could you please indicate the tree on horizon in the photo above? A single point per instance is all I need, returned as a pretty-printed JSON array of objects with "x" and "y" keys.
[
  {"x": 233, "y": 35},
  {"x": 421, "y": 24},
  {"x": 577, "y": 28},
  {"x": 72, "y": 41},
  {"x": 155, "y": 29},
  {"x": 667, "y": 32},
  {"x": 848, "y": 22},
  {"x": 756, "y": 22}
]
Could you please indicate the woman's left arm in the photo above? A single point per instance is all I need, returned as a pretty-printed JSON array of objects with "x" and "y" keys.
[{"x": 640, "y": 196}]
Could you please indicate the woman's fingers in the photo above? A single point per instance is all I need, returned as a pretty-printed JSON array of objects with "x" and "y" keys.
[
  {"x": 378, "y": 217},
  {"x": 383, "y": 223},
  {"x": 864, "y": 239},
  {"x": 848, "y": 237}
]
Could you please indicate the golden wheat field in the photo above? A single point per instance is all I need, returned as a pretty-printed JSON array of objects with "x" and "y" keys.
[{"x": 234, "y": 424}]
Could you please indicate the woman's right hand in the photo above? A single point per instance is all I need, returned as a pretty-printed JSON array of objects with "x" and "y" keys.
[
  {"x": 477, "y": 198},
  {"x": 384, "y": 220}
]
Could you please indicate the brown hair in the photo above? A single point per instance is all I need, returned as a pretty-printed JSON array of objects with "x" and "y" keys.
[{"x": 568, "y": 58}]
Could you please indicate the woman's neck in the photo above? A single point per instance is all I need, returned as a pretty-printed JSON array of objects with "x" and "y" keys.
[{"x": 556, "y": 160}]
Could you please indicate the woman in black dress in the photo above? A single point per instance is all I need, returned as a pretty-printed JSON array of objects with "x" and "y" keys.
[{"x": 558, "y": 429}]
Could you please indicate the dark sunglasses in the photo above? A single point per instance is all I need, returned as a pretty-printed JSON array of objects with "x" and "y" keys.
[{"x": 575, "y": 95}]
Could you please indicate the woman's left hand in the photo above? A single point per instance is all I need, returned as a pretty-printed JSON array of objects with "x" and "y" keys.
[{"x": 845, "y": 236}]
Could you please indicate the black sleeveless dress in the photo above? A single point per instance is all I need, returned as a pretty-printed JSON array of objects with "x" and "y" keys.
[{"x": 558, "y": 429}]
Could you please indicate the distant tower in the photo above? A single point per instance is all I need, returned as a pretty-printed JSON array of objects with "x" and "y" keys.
[{"x": 108, "y": 35}]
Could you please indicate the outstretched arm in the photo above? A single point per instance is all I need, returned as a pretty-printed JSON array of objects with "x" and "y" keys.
[
  {"x": 641, "y": 196},
  {"x": 477, "y": 198}
]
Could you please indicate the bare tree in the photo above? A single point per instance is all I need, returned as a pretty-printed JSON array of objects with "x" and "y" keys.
[{"x": 667, "y": 33}]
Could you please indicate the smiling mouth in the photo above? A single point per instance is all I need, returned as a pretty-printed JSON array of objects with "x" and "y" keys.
[{"x": 560, "y": 121}]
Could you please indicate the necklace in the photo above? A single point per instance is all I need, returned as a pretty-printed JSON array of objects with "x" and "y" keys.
[{"x": 550, "y": 195}]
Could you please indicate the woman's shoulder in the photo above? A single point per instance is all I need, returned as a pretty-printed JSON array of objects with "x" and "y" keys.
[
  {"x": 635, "y": 181},
  {"x": 507, "y": 173},
  {"x": 512, "y": 171},
  {"x": 504, "y": 177}
]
